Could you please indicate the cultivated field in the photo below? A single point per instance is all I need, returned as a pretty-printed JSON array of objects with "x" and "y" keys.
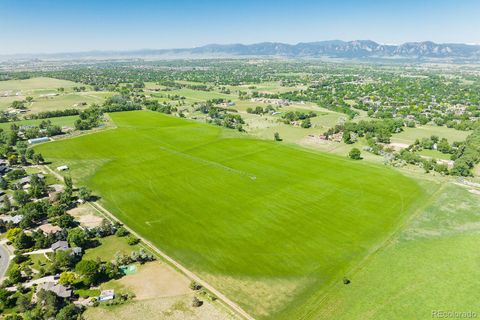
[{"x": 269, "y": 225}]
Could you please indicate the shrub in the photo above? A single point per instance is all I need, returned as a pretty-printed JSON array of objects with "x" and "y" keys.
[
  {"x": 355, "y": 154},
  {"x": 195, "y": 286},
  {"x": 122, "y": 232},
  {"x": 132, "y": 240},
  {"x": 196, "y": 302}
]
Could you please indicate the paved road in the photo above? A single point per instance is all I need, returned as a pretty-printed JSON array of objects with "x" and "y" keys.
[
  {"x": 39, "y": 251},
  {"x": 34, "y": 282},
  {"x": 4, "y": 260}
]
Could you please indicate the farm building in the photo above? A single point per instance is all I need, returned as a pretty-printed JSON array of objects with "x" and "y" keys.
[
  {"x": 106, "y": 295},
  {"x": 62, "y": 168},
  {"x": 26, "y": 127},
  {"x": 76, "y": 251},
  {"x": 38, "y": 140}
]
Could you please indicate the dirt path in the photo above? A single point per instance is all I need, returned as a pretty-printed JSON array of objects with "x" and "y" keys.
[{"x": 103, "y": 211}]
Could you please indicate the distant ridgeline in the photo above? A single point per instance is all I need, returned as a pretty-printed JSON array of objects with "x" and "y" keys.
[
  {"x": 333, "y": 48},
  {"x": 467, "y": 155}
]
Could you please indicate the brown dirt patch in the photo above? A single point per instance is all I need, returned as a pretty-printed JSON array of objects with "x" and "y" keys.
[
  {"x": 155, "y": 279},
  {"x": 86, "y": 216},
  {"x": 172, "y": 308}
]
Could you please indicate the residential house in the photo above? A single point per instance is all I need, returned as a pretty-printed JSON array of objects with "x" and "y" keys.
[
  {"x": 58, "y": 289},
  {"x": 60, "y": 246},
  {"x": 49, "y": 228},
  {"x": 13, "y": 219}
]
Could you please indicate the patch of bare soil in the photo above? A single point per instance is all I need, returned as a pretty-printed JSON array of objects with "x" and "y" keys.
[
  {"x": 86, "y": 216},
  {"x": 155, "y": 279},
  {"x": 174, "y": 308}
]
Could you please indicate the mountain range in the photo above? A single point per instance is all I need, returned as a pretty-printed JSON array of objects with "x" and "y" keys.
[{"x": 357, "y": 49}]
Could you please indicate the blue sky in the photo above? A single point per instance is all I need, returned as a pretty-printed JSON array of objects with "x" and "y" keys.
[{"x": 35, "y": 26}]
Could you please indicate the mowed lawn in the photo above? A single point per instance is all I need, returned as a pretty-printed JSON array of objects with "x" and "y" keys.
[{"x": 268, "y": 224}]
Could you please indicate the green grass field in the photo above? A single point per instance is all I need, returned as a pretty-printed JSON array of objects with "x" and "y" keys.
[
  {"x": 41, "y": 89},
  {"x": 108, "y": 248},
  {"x": 268, "y": 224},
  {"x": 192, "y": 96},
  {"x": 434, "y": 256},
  {"x": 408, "y": 135},
  {"x": 434, "y": 154},
  {"x": 31, "y": 85},
  {"x": 68, "y": 121}
]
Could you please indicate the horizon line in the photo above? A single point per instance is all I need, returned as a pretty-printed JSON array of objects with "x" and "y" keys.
[{"x": 225, "y": 44}]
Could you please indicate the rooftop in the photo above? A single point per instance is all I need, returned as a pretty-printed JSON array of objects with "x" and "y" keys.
[{"x": 56, "y": 288}]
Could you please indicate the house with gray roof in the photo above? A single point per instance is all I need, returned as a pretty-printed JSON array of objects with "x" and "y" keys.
[
  {"x": 58, "y": 289},
  {"x": 59, "y": 246}
]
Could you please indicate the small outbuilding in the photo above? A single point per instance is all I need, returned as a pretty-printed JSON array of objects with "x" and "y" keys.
[
  {"x": 38, "y": 140},
  {"x": 106, "y": 295},
  {"x": 76, "y": 251}
]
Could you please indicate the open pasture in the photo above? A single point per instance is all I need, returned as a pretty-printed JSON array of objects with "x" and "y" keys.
[
  {"x": 66, "y": 101},
  {"x": 270, "y": 87},
  {"x": 32, "y": 85},
  {"x": 46, "y": 96},
  {"x": 434, "y": 255},
  {"x": 268, "y": 224},
  {"x": 192, "y": 96},
  {"x": 59, "y": 121},
  {"x": 408, "y": 135}
]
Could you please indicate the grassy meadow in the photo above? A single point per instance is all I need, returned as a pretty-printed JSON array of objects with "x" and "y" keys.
[
  {"x": 409, "y": 135},
  {"x": 34, "y": 85},
  {"x": 416, "y": 273},
  {"x": 68, "y": 121},
  {"x": 46, "y": 96},
  {"x": 268, "y": 224}
]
